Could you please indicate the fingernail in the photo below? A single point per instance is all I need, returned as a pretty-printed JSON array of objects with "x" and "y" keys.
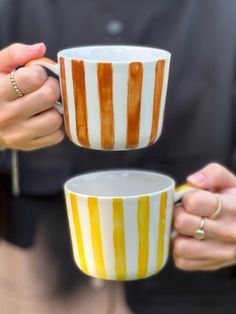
[
  {"x": 36, "y": 47},
  {"x": 196, "y": 178}
]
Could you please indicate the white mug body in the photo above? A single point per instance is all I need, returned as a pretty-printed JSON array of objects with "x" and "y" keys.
[{"x": 120, "y": 222}]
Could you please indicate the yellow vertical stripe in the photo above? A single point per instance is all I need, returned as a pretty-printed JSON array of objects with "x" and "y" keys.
[
  {"x": 96, "y": 237},
  {"x": 119, "y": 238},
  {"x": 161, "y": 231},
  {"x": 79, "y": 240},
  {"x": 182, "y": 187},
  {"x": 143, "y": 235}
]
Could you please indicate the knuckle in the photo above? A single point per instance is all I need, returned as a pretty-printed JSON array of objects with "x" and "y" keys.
[
  {"x": 231, "y": 254},
  {"x": 55, "y": 118},
  {"x": 51, "y": 90},
  {"x": 180, "y": 263},
  {"x": 189, "y": 202},
  {"x": 179, "y": 246},
  {"x": 227, "y": 255},
  {"x": 228, "y": 234},
  {"x": 179, "y": 221},
  {"x": 58, "y": 136},
  {"x": 12, "y": 139},
  {"x": 36, "y": 76},
  {"x": 232, "y": 235},
  {"x": 58, "y": 118}
]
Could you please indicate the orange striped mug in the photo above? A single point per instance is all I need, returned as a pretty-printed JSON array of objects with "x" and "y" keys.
[
  {"x": 113, "y": 96},
  {"x": 120, "y": 222}
]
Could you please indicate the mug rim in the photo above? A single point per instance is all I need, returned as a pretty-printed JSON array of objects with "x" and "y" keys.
[
  {"x": 166, "y": 54},
  {"x": 104, "y": 197}
]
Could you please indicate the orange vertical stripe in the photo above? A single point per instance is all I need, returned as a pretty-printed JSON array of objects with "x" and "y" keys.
[
  {"x": 96, "y": 237},
  {"x": 64, "y": 96},
  {"x": 159, "y": 77},
  {"x": 119, "y": 238},
  {"x": 105, "y": 81},
  {"x": 78, "y": 75},
  {"x": 76, "y": 220},
  {"x": 143, "y": 235},
  {"x": 161, "y": 231},
  {"x": 135, "y": 80}
]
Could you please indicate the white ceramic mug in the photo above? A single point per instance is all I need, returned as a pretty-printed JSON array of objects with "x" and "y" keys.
[
  {"x": 113, "y": 96},
  {"x": 120, "y": 222}
]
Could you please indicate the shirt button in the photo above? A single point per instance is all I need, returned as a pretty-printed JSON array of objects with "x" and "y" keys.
[{"x": 114, "y": 27}]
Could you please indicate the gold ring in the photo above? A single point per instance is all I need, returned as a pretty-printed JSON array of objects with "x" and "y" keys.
[
  {"x": 14, "y": 85},
  {"x": 218, "y": 210},
  {"x": 200, "y": 233}
]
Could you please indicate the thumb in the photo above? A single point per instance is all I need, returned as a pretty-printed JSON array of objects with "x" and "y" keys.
[
  {"x": 213, "y": 177},
  {"x": 17, "y": 55}
]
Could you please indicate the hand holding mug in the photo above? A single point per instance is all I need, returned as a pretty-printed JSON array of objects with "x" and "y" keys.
[
  {"x": 29, "y": 122},
  {"x": 218, "y": 249},
  {"x": 113, "y": 96},
  {"x": 120, "y": 222}
]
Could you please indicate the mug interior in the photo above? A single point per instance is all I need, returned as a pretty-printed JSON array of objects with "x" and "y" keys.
[
  {"x": 114, "y": 53},
  {"x": 119, "y": 183}
]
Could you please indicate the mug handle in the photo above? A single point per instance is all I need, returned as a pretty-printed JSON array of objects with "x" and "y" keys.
[
  {"x": 52, "y": 66},
  {"x": 183, "y": 190},
  {"x": 178, "y": 195}
]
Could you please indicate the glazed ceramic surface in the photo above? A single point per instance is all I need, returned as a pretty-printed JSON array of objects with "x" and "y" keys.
[
  {"x": 113, "y": 96},
  {"x": 120, "y": 222}
]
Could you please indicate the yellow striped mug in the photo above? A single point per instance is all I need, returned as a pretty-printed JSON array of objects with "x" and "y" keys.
[
  {"x": 120, "y": 222},
  {"x": 113, "y": 96}
]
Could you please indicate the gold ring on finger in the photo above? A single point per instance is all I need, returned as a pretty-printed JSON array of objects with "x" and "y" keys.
[
  {"x": 199, "y": 234},
  {"x": 219, "y": 208},
  {"x": 14, "y": 85}
]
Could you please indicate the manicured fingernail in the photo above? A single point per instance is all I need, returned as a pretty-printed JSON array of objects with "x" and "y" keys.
[
  {"x": 196, "y": 178},
  {"x": 36, "y": 47}
]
